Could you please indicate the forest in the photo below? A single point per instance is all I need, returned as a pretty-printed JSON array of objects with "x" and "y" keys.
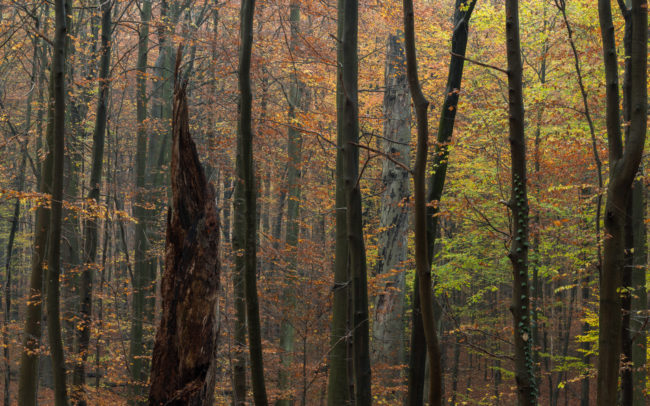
[{"x": 323, "y": 202}]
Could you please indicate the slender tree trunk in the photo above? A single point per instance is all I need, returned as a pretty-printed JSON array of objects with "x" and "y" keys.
[
  {"x": 28, "y": 375},
  {"x": 294, "y": 150},
  {"x": 337, "y": 385},
  {"x": 246, "y": 171},
  {"x": 54, "y": 251},
  {"x": 436, "y": 184},
  {"x": 599, "y": 175},
  {"x": 90, "y": 228},
  {"x": 184, "y": 357},
  {"x": 639, "y": 295},
  {"x": 524, "y": 369},
  {"x": 627, "y": 390},
  {"x": 354, "y": 220},
  {"x": 20, "y": 184},
  {"x": 8, "y": 283},
  {"x": 624, "y": 164},
  {"x": 239, "y": 291},
  {"x": 141, "y": 257},
  {"x": 422, "y": 260}
]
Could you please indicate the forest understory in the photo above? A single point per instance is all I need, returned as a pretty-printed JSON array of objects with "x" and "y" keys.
[{"x": 323, "y": 202}]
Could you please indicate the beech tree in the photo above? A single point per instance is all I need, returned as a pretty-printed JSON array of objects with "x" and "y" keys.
[
  {"x": 624, "y": 161},
  {"x": 329, "y": 289},
  {"x": 518, "y": 204}
]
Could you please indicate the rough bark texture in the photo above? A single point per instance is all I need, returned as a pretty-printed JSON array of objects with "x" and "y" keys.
[
  {"x": 624, "y": 164},
  {"x": 184, "y": 355},
  {"x": 518, "y": 254},
  {"x": 388, "y": 318}
]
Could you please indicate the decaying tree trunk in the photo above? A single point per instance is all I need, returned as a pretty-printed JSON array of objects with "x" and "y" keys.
[
  {"x": 388, "y": 318},
  {"x": 183, "y": 365}
]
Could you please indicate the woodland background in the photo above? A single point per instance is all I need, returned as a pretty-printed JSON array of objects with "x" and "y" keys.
[{"x": 294, "y": 81}]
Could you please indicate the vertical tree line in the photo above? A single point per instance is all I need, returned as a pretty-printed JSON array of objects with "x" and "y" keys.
[{"x": 335, "y": 292}]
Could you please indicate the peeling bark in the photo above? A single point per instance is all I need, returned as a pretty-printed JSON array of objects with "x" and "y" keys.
[{"x": 183, "y": 365}]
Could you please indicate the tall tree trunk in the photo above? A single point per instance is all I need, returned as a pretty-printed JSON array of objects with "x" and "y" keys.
[
  {"x": 524, "y": 369},
  {"x": 183, "y": 366},
  {"x": 90, "y": 227},
  {"x": 337, "y": 384},
  {"x": 54, "y": 252},
  {"x": 8, "y": 283},
  {"x": 354, "y": 220},
  {"x": 633, "y": 296},
  {"x": 246, "y": 173},
  {"x": 459, "y": 39},
  {"x": 624, "y": 164},
  {"x": 627, "y": 390},
  {"x": 294, "y": 150},
  {"x": 599, "y": 176},
  {"x": 239, "y": 291},
  {"x": 28, "y": 375},
  {"x": 388, "y": 323},
  {"x": 422, "y": 259},
  {"x": 141, "y": 257},
  {"x": 20, "y": 184},
  {"x": 639, "y": 300}
]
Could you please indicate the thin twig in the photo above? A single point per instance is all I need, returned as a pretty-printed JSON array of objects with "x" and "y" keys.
[
  {"x": 485, "y": 65},
  {"x": 390, "y": 158}
]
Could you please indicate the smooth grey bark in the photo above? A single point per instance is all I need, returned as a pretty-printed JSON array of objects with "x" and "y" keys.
[{"x": 388, "y": 318}]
